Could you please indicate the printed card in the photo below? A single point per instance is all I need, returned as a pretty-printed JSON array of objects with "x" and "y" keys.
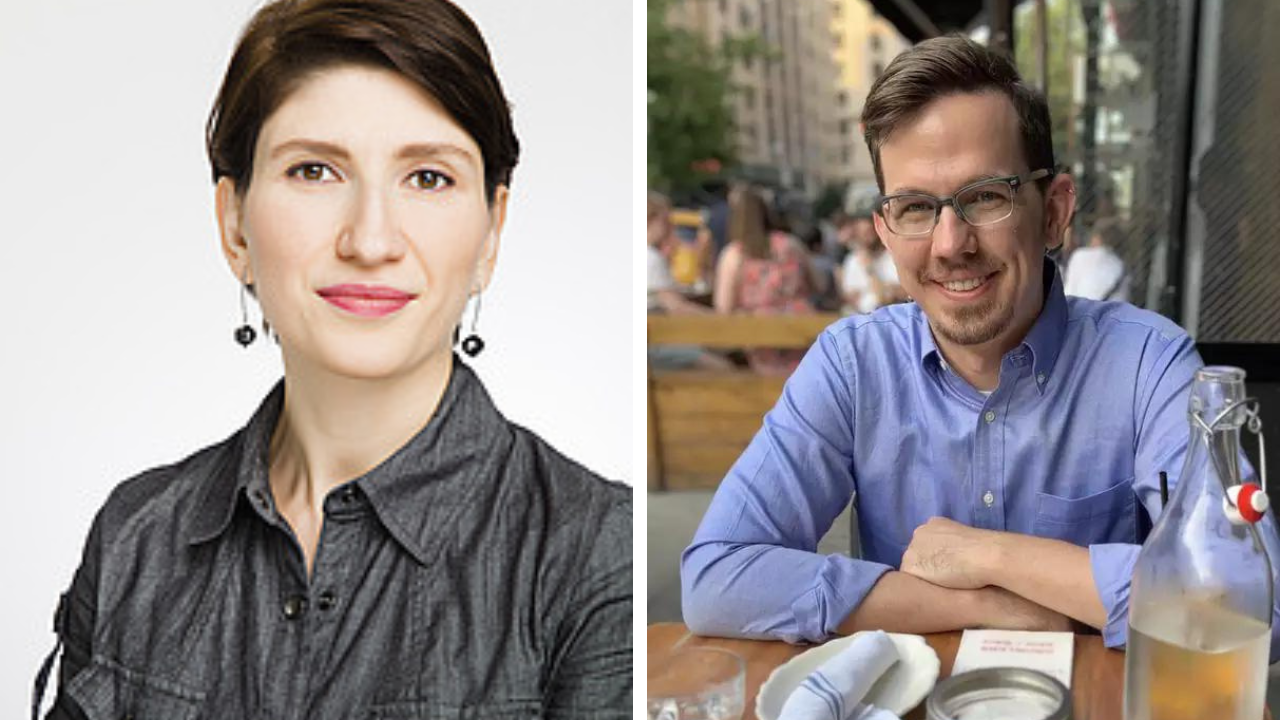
[{"x": 1048, "y": 652}]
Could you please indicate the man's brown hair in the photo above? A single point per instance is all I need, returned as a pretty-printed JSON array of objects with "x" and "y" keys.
[
  {"x": 944, "y": 66},
  {"x": 431, "y": 43}
]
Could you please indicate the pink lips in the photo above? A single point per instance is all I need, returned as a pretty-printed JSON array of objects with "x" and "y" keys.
[{"x": 366, "y": 300}]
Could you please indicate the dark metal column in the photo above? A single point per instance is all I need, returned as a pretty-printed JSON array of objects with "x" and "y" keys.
[{"x": 1001, "y": 14}]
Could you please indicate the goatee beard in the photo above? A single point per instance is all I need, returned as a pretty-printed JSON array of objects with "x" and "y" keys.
[{"x": 974, "y": 325}]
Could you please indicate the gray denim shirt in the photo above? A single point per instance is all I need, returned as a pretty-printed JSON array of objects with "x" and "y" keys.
[{"x": 475, "y": 573}]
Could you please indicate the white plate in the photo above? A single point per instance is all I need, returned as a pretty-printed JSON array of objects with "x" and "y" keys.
[{"x": 902, "y": 687}]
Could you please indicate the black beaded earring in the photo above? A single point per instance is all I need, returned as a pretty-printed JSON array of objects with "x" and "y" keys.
[
  {"x": 472, "y": 345},
  {"x": 245, "y": 334}
]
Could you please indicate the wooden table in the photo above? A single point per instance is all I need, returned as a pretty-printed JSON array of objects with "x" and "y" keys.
[{"x": 1097, "y": 681}]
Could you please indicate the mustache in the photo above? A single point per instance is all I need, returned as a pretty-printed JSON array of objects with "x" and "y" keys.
[{"x": 942, "y": 271}]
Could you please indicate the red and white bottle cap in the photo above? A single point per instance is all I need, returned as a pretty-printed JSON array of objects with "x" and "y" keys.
[{"x": 1245, "y": 503}]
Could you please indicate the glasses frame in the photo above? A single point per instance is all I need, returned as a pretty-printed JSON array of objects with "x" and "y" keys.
[{"x": 1014, "y": 182}]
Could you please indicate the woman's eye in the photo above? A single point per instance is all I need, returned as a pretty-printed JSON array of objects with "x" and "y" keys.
[
  {"x": 430, "y": 180},
  {"x": 312, "y": 172}
]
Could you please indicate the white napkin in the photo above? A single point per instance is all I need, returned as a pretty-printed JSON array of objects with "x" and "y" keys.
[{"x": 835, "y": 690}]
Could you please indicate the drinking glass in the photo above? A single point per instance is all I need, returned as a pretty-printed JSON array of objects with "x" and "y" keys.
[{"x": 696, "y": 683}]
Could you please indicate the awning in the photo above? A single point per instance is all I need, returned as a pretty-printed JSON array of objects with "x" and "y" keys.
[{"x": 920, "y": 19}]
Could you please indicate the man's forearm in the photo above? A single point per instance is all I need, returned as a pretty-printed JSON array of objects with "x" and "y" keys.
[
  {"x": 899, "y": 602},
  {"x": 1052, "y": 573}
]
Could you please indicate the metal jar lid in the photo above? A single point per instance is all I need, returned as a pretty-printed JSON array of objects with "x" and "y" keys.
[{"x": 998, "y": 694}]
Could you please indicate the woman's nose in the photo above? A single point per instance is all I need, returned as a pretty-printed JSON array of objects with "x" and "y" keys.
[{"x": 371, "y": 235}]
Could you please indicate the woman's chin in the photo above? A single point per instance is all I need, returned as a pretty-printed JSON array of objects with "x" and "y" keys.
[{"x": 375, "y": 361}]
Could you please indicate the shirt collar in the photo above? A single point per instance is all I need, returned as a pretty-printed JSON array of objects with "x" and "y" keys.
[
  {"x": 1044, "y": 341},
  {"x": 1047, "y": 334},
  {"x": 417, "y": 493}
]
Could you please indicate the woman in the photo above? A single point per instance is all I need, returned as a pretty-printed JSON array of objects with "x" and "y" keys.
[
  {"x": 378, "y": 540},
  {"x": 763, "y": 270}
]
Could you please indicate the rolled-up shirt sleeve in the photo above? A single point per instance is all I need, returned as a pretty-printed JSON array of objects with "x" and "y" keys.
[
  {"x": 1160, "y": 417},
  {"x": 752, "y": 569}
]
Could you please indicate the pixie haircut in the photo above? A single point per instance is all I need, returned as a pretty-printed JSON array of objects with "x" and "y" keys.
[
  {"x": 945, "y": 66},
  {"x": 431, "y": 43}
]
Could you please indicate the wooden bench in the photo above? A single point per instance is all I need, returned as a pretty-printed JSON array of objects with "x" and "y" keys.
[{"x": 701, "y": 421}]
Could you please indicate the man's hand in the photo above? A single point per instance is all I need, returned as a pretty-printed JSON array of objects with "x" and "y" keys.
[
  {"x": 1053, "y": 576},
  {"x": 947, "y": 553}
]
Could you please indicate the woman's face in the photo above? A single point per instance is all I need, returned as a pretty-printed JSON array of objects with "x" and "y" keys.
[{"x": 365, "y": 226}]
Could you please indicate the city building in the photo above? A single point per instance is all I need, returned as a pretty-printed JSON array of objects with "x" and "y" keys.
[
  {"x": 864, "y": 44},
  {"x": 785, "y": 104}
]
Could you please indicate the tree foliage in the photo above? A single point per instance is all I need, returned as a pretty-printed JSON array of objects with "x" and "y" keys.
[
  {"x": 1066, "y": 43},
  {"x": 690, "y": 121}
]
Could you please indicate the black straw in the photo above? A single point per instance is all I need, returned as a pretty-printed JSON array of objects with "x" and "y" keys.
[{"x": 1164, "y": 488}]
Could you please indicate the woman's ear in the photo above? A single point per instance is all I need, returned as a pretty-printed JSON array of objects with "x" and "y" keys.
[
  {"x": 489, "y": 253},
  {"x": 1060, "y": 205},
  {"x": 228, "y": 206}
]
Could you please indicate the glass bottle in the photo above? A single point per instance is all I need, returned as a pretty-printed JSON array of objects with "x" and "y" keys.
[{"x": 1200, "y": 602}]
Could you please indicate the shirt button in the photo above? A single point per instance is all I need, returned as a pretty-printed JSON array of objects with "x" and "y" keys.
[
  {"x": 1040, "y": 378},
  {"x": 989, "y": 498},
  {"x": 294, "y": 607},
  {"x": 260, "y": 497},
  {"x": 990, "y": 416},
  {"x": 327, "y": 601},
  {"x": 347, "y": 496}
]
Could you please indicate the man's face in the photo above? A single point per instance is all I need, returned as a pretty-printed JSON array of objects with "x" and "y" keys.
[
  {"x": 857, "y": 233},
  {"x": 864, "y": 234},
  {"x": 976, "y": 285}
]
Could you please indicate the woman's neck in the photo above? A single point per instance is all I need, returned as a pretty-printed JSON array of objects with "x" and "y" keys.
[{"x": 333, "y": 429}]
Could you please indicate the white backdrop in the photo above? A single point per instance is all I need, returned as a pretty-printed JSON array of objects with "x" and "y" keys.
[{"x": 117, "y": 352}]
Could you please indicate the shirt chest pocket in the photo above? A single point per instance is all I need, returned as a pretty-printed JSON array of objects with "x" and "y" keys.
[
  {"x": 107, "y": 691},
  {"x": 425, "y": 710},
  {"x": 1102, "y": 517}
]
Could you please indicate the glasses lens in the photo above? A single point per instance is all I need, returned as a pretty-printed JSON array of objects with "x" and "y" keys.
[
  {"x": 910, "y": 214},
  {"x": 986, "y": 203}
]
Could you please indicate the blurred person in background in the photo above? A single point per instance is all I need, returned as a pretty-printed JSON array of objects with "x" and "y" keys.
[
  {"x": 868, "y": 278},
  {"x": 664, "y": 293},
  {"x": 1095, "y": 271},
  {"x": 717, "y": 216},
  {"x": 826, "y": 290},
  {"x": 763, "y": 270},
  {"x": 664, "y": 297}
]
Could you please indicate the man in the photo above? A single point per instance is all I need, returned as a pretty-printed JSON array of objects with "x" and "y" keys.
[
  {"x": 1095, "y": 270},
  {"x": 868, "y": 279},
  {"x": 999, "y": 439}
]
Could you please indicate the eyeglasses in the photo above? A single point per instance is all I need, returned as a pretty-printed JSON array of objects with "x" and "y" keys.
[{"x": 985, "y": 202}]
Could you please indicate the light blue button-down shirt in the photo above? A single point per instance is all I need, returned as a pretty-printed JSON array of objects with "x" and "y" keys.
[{"x": 1090, "y": 407}]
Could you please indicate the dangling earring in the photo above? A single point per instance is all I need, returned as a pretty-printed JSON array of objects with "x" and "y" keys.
[
  {"x": 472, "y": 345},
  {"x": 245, "y": 334}
]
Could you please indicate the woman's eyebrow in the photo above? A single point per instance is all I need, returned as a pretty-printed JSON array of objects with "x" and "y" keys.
[
  {"x": 317, "y": 147},
  {"x": 435, "y": 149},
  {"x": 410, "y": 151}
]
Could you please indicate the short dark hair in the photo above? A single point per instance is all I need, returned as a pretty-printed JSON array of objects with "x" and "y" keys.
[
  {"x": 431, "y": 43},
  {"x": 944, "y": 66},
  {"x": 1110, "y": 230}
]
